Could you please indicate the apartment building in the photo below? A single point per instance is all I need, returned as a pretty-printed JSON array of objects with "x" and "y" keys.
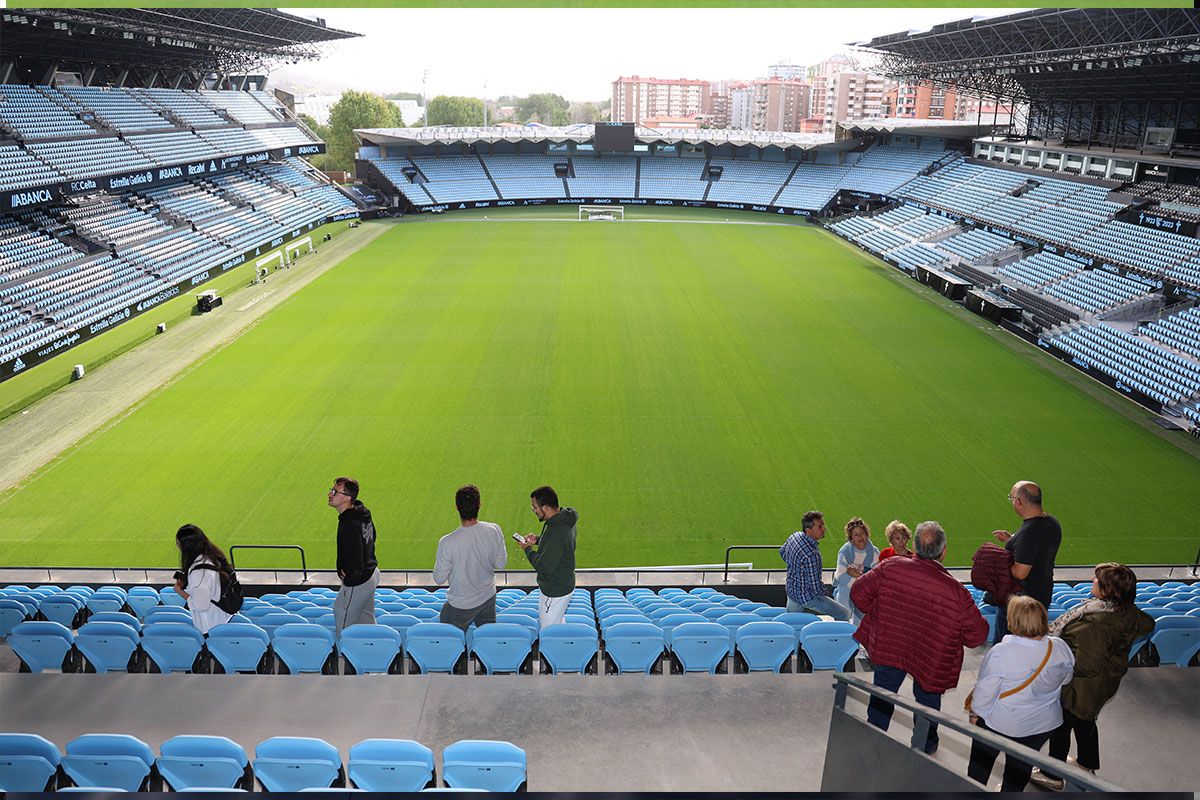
[{"x": 636, "y": 98}]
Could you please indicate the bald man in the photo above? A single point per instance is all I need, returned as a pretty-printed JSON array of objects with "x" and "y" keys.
[{"x": 1034, "y": 547}]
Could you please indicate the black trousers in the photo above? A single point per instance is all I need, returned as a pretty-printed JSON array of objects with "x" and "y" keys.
[
  {"x": 1016, "y": 771},
  {"x": 1087, "y": 741}
]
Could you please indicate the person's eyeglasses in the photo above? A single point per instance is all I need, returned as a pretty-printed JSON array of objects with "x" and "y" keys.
[
  {"x": 1011, "y": 498},
  {"x": 333, "y": 490}
]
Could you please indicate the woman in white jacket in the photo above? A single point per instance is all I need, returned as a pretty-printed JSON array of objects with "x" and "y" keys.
[
  {"x": 1018, "y": 690},
  {"x": 200, "y": 587}
]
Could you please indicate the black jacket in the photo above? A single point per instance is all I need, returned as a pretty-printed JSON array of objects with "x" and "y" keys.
[{"x": 356, "y": 545}]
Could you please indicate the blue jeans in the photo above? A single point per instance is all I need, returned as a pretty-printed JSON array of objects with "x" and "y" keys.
[
  {"x": 879, "y": 712},
  {"x": 820, "y": 605}
]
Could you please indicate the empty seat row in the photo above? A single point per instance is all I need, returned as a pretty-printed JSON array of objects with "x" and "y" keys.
[{"x": 124, "y": 763}]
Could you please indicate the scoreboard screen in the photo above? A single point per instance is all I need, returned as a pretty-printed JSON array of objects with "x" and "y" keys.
[{"x": 614, "y": 137}]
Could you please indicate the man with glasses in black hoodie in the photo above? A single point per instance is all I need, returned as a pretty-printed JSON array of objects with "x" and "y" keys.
[{"x": 356, "y": 564}]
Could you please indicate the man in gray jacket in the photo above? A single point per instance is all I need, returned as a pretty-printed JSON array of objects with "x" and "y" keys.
[{"x": 467, "y": 559}]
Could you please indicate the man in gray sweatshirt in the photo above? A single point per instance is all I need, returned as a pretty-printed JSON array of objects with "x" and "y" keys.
[{"x": 467, "y": 559}]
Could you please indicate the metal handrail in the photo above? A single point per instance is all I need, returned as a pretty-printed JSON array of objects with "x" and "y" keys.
[
  {"x": 1076, "y": 778},
  {"x": 733, "y": 547},
  {"x": 303, "y": 561}
]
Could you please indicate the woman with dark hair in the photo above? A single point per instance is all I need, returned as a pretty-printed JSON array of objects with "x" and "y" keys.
[
  {"x": 1100, "y": 633},
  {"x": 200, "y": 587}
]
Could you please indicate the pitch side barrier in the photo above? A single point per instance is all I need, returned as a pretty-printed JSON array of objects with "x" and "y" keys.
[
  {"x": 615, "y": 201},
  {"x": 68, "y": 339},
  {"x": 766, "y": 585},
  {"x": 137, "y": 180}
]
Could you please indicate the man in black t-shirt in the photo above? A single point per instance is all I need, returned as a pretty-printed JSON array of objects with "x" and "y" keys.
[{"x": 1034, "y": 547}]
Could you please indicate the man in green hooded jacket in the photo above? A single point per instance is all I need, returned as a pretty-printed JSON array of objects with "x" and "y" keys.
[{"x": 554, "y": 557}]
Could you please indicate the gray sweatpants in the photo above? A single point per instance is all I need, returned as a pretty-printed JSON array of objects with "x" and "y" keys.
[{"x": 355, "y": 605}]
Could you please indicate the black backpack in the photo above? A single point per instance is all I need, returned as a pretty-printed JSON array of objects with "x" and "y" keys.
[{"x": 230, "y": 600}]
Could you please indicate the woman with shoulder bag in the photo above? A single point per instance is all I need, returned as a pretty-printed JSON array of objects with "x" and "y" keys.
[
  {"x": 200, "y": 585},
  {"x": 1017, "y": 693},
  {"x": 1100, "y": 633}
]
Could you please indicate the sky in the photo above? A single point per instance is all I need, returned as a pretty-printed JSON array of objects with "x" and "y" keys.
[{"x": 579, "y": 52}]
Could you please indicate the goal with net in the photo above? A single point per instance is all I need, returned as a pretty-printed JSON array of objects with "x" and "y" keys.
[{"x": 601, "y": 213}]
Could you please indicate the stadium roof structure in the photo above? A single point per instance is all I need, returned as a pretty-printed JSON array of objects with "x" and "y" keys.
[
  {"x": 1051, "y": 54},
  {"x": 205, "y": 39},
  {"x": 945, "y": 128},
  {"x": 585, "y": 133}
]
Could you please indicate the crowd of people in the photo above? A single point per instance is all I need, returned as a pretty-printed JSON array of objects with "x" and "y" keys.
[{"x": 1040, "y": 682}]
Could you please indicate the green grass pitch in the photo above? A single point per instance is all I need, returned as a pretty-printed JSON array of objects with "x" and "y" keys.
[{"x": 685, "y": 386}]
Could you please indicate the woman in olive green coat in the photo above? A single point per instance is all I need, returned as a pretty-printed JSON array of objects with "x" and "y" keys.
[{"x": 1100, "y": 633}]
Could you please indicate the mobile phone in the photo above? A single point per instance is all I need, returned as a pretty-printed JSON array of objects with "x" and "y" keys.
[{"x": 519, "y": 537}]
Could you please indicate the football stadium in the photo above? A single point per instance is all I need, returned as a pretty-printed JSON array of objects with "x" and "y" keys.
[{"x": 695, "y": 336}]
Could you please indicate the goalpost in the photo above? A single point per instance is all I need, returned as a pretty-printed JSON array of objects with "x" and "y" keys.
[{"x": 601, "y": 213}]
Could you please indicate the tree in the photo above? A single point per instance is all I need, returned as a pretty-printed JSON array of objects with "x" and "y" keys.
[
  {"x": 548, "y": 109},
  {"x": 403, "y": 96},
  {"x": 458, "y": 112},
  {"x": 355, "y": 110},
  {"x": 320, "y": 130},
  {"x": 587, "y": 111}
]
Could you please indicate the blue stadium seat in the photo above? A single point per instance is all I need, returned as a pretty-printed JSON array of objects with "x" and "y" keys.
[
  {"x": 770, "y": 612},
  {"x": 167, "y": 614},
  {"x": 436, "y": 647},
  {"x": 525, "y": 621},
  {"x": 112, "y": 760},
  {"x": 104, "y": 602},
  {"x": 109, "y": 646},
  {"x": 141, "y": 599},
  {"x": 172, "y": 646},
  {"x": 569, "y": 647},
  {"x": 193, "y": 762},
  {"x": 238, "y": 647},
  {"x": 734, "y": 621},
  {"x": 42, "y": 645},
  {"x": 391, "y": 765},
  {"x": 606, "y": 622},
  {"x": 372, "y": 649},
  {"x": 169, "y": 597},
  {"x": 671, "y": 621},
  {"x": 476, "y": 764},
  {"x": 28, "y": 763},
  {"x": 62, "y": 608},
  {"x": 11, "y": 612},
  {"x": 829, "y": 645},
  {"x": 123, "y": 617},
  {"x": 699, "y": 646},
  {"x": 798, "y": 620},
  {"x": 398, "y": 622},
  {"x": 765, "y": 646},
  {"x": 634, "y": 646},
  {"x": 292, "y": 763},
  {"x": 304, "y": 647},
  {"x": 1177, "y": 639},
  {"x": 424, "y": 613},
  {"x": 276, "y": 619},
  {"x": 503, "y": 647}
]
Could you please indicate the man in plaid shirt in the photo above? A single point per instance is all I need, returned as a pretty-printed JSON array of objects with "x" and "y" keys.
[{"x": 800, "y": 552}]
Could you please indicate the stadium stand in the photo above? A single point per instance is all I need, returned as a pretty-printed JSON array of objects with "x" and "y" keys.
[
  {"x": 1180, "y": 331},
  {"x": 1159, "y": 373},
  {"x": 51, "y": 279}
]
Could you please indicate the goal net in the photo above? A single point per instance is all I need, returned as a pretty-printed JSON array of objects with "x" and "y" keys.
[{"x": 601, "y": 213}]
